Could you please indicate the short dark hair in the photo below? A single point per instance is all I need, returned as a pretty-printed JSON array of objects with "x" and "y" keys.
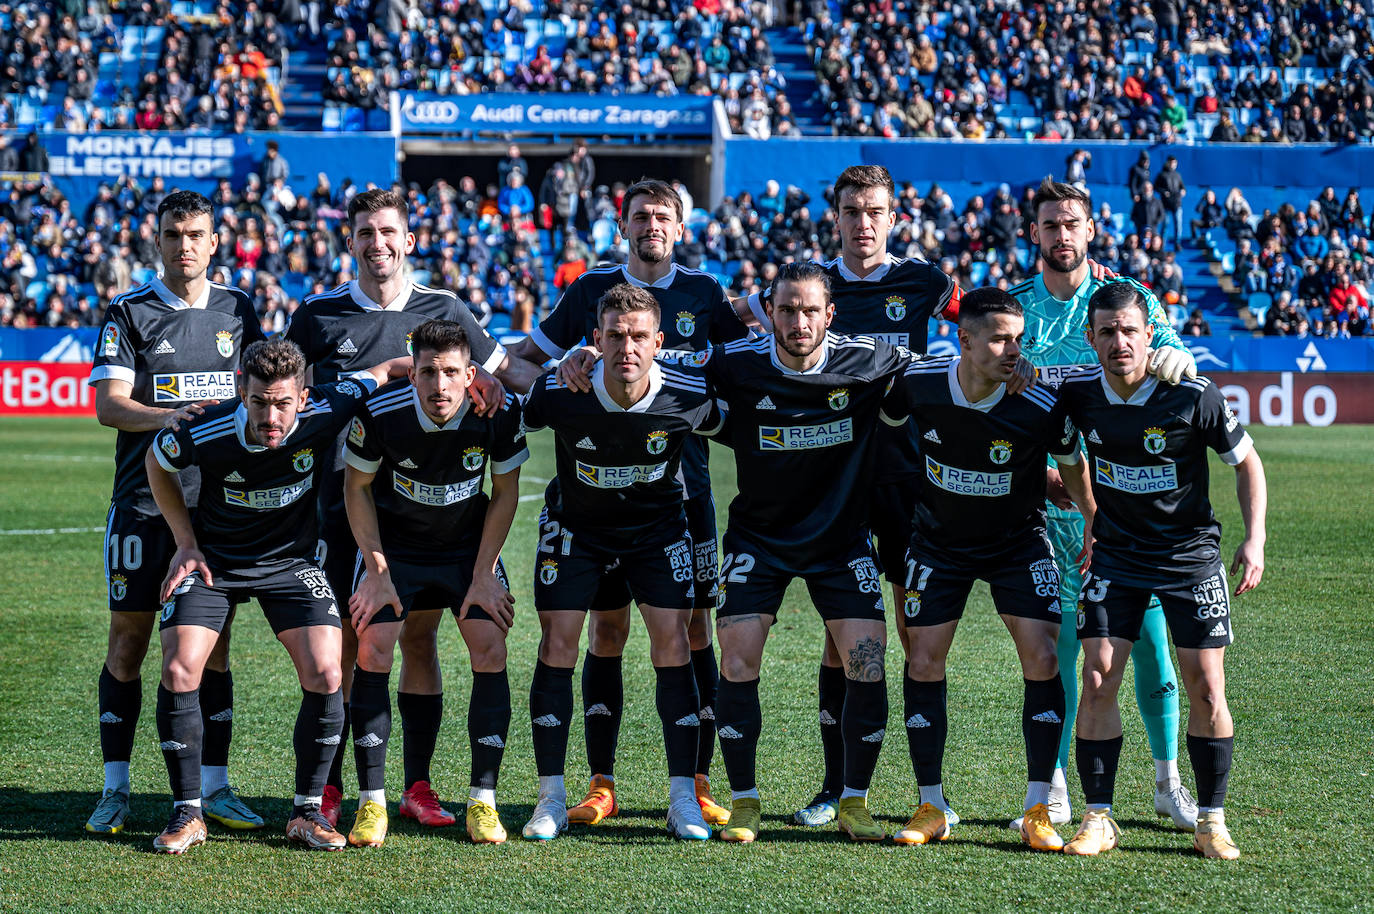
[
  {"x": 980, "y": 304},
  {"x": 862, "y": 177},
  {"x": 440, "y": 336},
  {"x": 660, "y": 192},
  {"x": 376, "y": 200},
  {"x": 623, "y": 298},
  {"x": 272, "y": 360},
  {"x": 1052, "y": 191},
  {"x": 1118, "y": 295},
  {"x": 185, "y": 204},
  {"x": 798, "y": 271}
]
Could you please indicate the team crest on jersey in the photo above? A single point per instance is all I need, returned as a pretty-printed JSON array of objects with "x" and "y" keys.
[
  {"x": 303, "y": 460},
  {"x": 911, "y": 606},
  {"x": 686, "y": 323},
  {"x": 109, "y": 341},
  {"x": 548, "y": 571},
  {"x": 1000, "y": 452},
  {"x": 658, "y": 442},
  {"x": 356, "y": 432},
  {"x": 224, "y": 343},
  {"x": 838, "y": 398},
  {"x": 119, "y": 587},
  {"x": 1154, "y": 440},
  {"x": 896, "y": 307},
  {"x": 409, "y": 349},
  {"x": 472, "y": 458},
  {"x": 170, "y": 446}
]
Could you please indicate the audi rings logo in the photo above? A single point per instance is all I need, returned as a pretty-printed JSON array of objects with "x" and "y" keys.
[{"x": 431, "y": 112}]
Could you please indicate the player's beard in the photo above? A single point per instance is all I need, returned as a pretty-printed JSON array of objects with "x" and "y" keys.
[
  {"x": 1047, "y": 259},
  {"x": 799, "y": 349},
  {"x": 645, "y": 252}
]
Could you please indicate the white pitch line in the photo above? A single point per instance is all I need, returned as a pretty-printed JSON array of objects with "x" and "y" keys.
[
  {"x": 52, "y": 531},
  {"x": 71, "y": 458}
]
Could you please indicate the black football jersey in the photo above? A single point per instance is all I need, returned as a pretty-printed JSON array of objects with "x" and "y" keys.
[
  {"x": 1148, "y": 466},
  {"x": 618, "y": 474},
  {"x": 342, "y": 331},
  {"x": 983, "y": 484},
  {"x": 802, "y": 442},
  {"x": 694, "y": 313},
  {"x": 258, "y": 504},
  {"x": 173, "y": 353},
  {"x": 428, "y": 487},
  {"x": 894, "y": 303}
]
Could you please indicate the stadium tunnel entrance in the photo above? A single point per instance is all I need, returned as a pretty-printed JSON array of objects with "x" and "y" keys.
[{"x": 424, "y": 161}]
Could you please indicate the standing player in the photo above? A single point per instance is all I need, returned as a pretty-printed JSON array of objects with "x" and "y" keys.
[
  {"x": 803, "y": 408},
  {"x": 617, "y": 503},
  {"x": 984, "y": 455},
  {"x": 362, "y": 323},
  {"x": 891, "y": 299},
  {"x": 430, "y": 538},
  {"x": 169, "y": 349},
  {"x": 252, "y": 537},
  {"x": 1055, "y": 303},
  {"x": 1154, "y": 533},
  {"x": 699, "y": 314}
]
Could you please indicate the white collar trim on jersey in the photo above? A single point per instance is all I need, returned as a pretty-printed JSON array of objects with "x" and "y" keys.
[
  {"x": 878, "y": 273},
  {"x": 171, "y": 298},
  {"x": 828, "y": 345},
  {"x": 428, "y": 424},
  {"x": 956, "y": 392},
  {"x": 662, "y": 282},
  {"x": 396, "y": 304},
  {"x": 241, "y": 429},
  {"x": 599, "y": 388},
  {"x": 1138, "y": 398}
]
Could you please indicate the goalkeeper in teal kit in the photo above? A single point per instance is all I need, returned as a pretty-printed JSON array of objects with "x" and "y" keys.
[{"x": 1056, "y": 310}]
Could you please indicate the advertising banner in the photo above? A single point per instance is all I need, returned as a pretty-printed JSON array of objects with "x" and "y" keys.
[
  {"x": 556, "y": 113},
  {"x": 1292, "y": 398},
  {"x": 46, "y": 389}
]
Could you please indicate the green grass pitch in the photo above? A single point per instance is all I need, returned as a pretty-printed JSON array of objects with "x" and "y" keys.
[{"x": 1301, "y": 804}]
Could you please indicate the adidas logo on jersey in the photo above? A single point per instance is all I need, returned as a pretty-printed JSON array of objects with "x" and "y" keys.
[
  {"x": 171, "y": 745},
  {"x": 494, "y": 741},
  {"x": 109, "y": 717},
  {"x": 826, "y": 719},
  {"x": 223, "y": 717},
  {"x": 875, "y": 737},
  {"x": 547, "y": 720},
  {"x": 334, "y": 610},
  {"x": 690, "y": 720},
  {"x": 730, "y": 733},
  {"x": 1218, "y": 632},
  {"x": 766, "y": 403},
  {"x": 164, "y": 348},
  {"x": 708, "y": 713},
  {"x": 329, "y": 740},
  {"x": 598, "y": 709},
  {"x": 916, "y": 722},
  {"x": 408, "y": 464},
  {"x": 586, "y": 444},
  {"x": 1047, "y": 717},
  {"x": 234, "y": 476},
  {"x": 932, "y": 437},
  {"x": 370, "y": 741},
  {"x": 1092, "y": 436},
  {"x": 347, "y": 347}
]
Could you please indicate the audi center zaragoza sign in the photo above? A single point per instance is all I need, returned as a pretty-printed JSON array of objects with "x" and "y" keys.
[{"x": 614, "y": 115}]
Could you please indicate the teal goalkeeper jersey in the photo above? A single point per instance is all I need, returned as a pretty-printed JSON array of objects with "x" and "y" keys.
[{"x": 1056, "y": 341}]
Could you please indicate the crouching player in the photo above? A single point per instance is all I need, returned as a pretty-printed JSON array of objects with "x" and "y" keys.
[
  {"x": 429, "y": 538},
  {"x": 253, "y": 537},
  {"x": 1154, "y": 534},
  {"x": 983, "y": 453},
  {"x": 617, "y": 500}
]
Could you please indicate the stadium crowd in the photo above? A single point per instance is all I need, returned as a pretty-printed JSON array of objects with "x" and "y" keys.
[{"x": 1100, "y": 70}]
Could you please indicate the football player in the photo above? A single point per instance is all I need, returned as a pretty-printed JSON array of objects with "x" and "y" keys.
[
  {"x": 1154, "y": 534},
  {"x": 428, "y": 538},
  {"x": 168, "y": 350}
]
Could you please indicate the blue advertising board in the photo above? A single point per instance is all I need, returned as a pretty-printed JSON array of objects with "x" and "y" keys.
[
  {"x": 80, "y": 162},
  {"x": 556, "y": 113}
]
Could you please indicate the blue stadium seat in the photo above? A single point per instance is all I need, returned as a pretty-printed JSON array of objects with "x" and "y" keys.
[
  {"x": 1259, "y": 304},
  {"x": 331, "y": 118}
]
